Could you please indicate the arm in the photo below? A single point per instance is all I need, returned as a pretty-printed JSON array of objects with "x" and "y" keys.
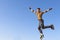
[
  {"x": 31, "y": 9},
  {"x": 47, "y": 10}
]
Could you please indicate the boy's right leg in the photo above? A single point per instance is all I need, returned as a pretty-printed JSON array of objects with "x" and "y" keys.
[{"x": 40, "y": 29}]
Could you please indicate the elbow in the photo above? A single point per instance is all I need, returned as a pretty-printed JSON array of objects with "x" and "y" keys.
[
  {"x": 46, "y": 11},
  {"x": 32, "y": 10}
]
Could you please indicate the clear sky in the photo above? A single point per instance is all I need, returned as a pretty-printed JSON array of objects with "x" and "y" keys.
[{"x": 17, "y": 22}]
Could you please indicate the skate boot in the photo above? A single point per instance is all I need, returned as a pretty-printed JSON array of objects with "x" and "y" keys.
[
  {"x": 41, "y": 36},
  {"x": 52, "y": 27}
]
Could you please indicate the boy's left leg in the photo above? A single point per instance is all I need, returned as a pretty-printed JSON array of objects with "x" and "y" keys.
[
  {"x": 44, "y": 27},
  {"x": 51, "y": 26}
]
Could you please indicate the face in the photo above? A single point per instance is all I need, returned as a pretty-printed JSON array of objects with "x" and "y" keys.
[{"x": 38, "y": 10}]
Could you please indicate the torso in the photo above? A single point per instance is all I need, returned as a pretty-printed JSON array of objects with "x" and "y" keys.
[{"x": 39, "y": 15}]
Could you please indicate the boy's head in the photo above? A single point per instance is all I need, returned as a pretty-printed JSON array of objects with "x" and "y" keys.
[{"x": 38, "y": 9}]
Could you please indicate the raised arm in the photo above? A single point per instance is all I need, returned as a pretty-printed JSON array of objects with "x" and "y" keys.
[
  {"x": 31, "y": 9},
  {"x": 47, "y": 10}
]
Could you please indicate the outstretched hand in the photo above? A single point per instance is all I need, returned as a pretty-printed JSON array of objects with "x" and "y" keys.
[
  {"x": 29, "y": 7},
  {"x": 50, "y": 8}
]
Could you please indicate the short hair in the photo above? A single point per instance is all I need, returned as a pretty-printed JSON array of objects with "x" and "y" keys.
[{"x": 38, "y": 8}]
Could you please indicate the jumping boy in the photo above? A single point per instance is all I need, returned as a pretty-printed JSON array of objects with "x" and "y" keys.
[{"x": 39, "y": 14}]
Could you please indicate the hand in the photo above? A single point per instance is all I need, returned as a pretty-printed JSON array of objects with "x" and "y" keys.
[
  {"x": 50, "y": 8},
  {"x": 29, "y": 7}
]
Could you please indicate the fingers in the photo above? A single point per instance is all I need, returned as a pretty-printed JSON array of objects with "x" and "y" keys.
[
  {"x": 50, "y": 8},
  {"x": 29, "y": 7}
]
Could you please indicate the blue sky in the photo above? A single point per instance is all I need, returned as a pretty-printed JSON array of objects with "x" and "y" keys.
[{"x": 17, "y": 22}]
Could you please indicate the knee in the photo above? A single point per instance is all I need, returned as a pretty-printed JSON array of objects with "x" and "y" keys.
[
  {"x": 43, "y": 28},
  {"x": 39, "y": 28}
]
